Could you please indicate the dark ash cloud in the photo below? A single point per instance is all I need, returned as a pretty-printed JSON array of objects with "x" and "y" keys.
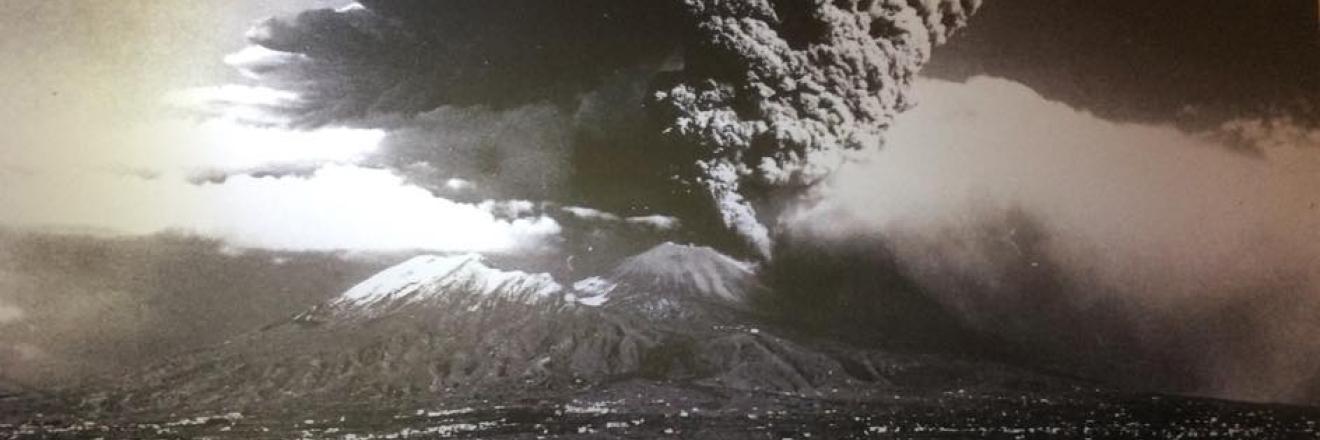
[
  {"x": 772, "y": 94},
  {"x": 410, "y": 57},
  {"x": 1189, "y": 62},
  {"x": 762, "y": 98}
]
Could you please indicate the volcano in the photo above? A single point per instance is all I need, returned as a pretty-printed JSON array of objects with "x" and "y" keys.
[
  {"x": 671, "y": 341},
  {"x": 452, "y": 326}
]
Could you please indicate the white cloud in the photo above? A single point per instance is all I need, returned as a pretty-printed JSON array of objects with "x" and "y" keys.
[
  {"x": 456, "y": 184},
  {"x": 232, "y": 94},
  {"x": 338, "y": 207},
  {"x": 1152, "y": 191},
  {"x": 134, "y": 180},
  {"x": 259, "y": 105},
  {"x": 254, "y": 59},
  {"x": 656, "y": 222},
  {"x": 355, "y": 6},
  {"x": 186, "y": 146},
  {"x": 221, "y": 144},
  {"x": 590, "y": 214}
]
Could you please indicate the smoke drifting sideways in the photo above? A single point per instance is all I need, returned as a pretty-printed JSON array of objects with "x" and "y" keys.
[
  {"x": 1143, "y": 254},
  {"x": 760, "y": 99}
]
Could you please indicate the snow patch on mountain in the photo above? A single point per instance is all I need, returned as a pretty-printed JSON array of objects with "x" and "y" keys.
[
  {"x": 593, "y": 291},
  {"x": 429, "y": 276}
]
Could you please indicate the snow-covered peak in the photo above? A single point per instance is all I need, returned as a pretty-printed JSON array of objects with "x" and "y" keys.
[
  {"x": 668, "y": 274},
  {"x": 687, "y": 269},
  {"x": 593, "y": 291},
  {"x": 429, "y": 276}
]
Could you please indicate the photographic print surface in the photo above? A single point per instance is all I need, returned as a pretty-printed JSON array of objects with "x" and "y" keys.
[{"x": 662, "y": 218}]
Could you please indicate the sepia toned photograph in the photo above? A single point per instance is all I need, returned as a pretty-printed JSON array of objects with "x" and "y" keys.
[{"x": 687, "y": 219}]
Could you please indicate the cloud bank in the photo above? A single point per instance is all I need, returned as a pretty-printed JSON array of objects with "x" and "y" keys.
[
  {"x": 1130, "y": 250},
  {"x": 160, "y": 180},
  {"x": 336, "y": 207}
]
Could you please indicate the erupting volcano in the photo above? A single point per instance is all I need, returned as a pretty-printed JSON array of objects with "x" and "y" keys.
[{"x": 692, "y": 218}]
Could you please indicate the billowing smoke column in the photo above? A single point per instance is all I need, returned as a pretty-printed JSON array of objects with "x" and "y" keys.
[
  {"x": 769, "y": 98},
  {"x": 774, "y": 93}
]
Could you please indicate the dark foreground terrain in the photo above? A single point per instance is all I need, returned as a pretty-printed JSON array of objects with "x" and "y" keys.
[{"x": 647, "y": 409}]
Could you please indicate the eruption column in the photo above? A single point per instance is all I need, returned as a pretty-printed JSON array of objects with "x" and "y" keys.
[
  {"x": 774, "y": 94},
  {"x": 770, "y": 98}
]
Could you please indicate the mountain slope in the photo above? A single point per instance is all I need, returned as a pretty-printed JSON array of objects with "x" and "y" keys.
[{"x": 447, "y": 327}]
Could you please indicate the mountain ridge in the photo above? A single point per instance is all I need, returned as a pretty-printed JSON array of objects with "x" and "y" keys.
[{"x": 445, "y": 327}]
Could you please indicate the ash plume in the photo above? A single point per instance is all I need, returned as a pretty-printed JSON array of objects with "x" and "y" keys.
[
  {"x": 762, "y": 101},
  {"x": 411, "y": 57},
  {"x": 773, "y": 94}
]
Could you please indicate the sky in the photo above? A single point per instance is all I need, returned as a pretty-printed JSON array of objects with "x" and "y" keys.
[
  {"x": 1123, "y": 184},
  {"x": 107, "y": 135},
  {"x": 128, "y": 120}
]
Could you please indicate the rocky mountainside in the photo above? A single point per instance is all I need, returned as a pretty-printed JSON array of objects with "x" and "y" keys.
[{"x": 449, "y": 327}]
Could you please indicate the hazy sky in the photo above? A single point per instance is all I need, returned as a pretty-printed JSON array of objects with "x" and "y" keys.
[{"x": 105, "y": 133}]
